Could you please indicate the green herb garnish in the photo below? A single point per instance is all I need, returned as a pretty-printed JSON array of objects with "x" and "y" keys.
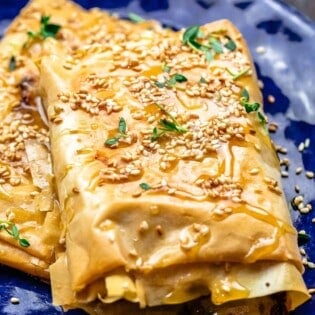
[
  {"x": 203, "y": 80},
  {"x": 303, "y": 238},
  {"x": 166, "y": 125},
  {"x": 230, "y": 45},
  {"x": 46, "y": 29},
  {"x": 166, "y": 68},
  {"x": 135, "y": 18},
  {"x": 175, "y": 78},
  {"x": 13, "y": 230},
  {"x": 216, "y": 45},
  {"x": 249, "y": 107},
  {"x": 262, "y": 118},
  {"x": 122, "y": 129},
  {"x": 145, "y": 186},
  {"x": 12, "y": 63},
  {"x": 236, "y": 76},
  {"x": 193, "y": 33}
]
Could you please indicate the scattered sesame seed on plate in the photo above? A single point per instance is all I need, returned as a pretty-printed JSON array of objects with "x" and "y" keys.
[
  {"x": 261, "y": 50},
  {"x": 15, "y": 300}
]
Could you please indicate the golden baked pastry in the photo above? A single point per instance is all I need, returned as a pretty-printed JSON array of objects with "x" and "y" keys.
[
  {"x": 29, "y": 214},
  {"x": 168, "y": 183}
]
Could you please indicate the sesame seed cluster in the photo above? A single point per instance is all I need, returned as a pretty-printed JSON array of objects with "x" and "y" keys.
[{"x": 207, "y": 105}]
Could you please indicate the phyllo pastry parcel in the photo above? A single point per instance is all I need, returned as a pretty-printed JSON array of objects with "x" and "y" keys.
[
  {"x": 29, "y": 214},
  {"x": 168, "y": 183}
]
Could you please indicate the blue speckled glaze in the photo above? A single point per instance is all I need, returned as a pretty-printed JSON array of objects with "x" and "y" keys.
[{"x": 287, "y": 71}]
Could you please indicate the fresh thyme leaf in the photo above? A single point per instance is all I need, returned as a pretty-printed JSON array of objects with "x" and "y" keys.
[
  {"x": 166, "y": 125},
  {"x": 216, "y": 45},
  {"x": 24, "y": 242},
  {"x": 230, "y": 45},
  {"x": 190, "y": 34},
  {"x": 31, "y": 34},
  {"x": 12, "y": 63},
  {"x": 303, "y": 238},
  {"x": 145, "y": 186},
  {"x": 262, "y": 118},
  {"x": 251, "y": 107},
  {"x": 172, "y": 81},
  {"x": 209, "y": 55},
  {"x": 245, "y": 95},
  {"x": 203, "y": 80},
  {"x": 50, "y": 30},
  {"x": 172, "y": 126},
  {"x": 135, "y": 18},
  {"x": 179, "y": 77},
  {"x": 122, "y": 127},
  {"x": 44, "y": 19},
  {"x": 200, "y": 34},
  {"x": 159, "y": 84},
  {"x": 46, "y": 29},
  {"x": 112, "y": 141},
  {"x": 166, "y": 68},
  {"x": 236, "y": 76},
  {"x": 13, "y": 231},
  {"x": 155, "y": 134}
]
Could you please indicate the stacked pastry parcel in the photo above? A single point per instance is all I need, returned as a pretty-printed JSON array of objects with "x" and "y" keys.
[
  {"x": 29, "y": 213},
  {"x": 167, "y": 181}
]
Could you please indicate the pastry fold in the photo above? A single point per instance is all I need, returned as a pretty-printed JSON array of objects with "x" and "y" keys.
[
  {"x": 27, "y": 193},
  {"x": 169, "y": 185}
]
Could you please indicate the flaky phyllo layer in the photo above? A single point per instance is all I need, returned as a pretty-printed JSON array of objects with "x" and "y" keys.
[
  {"x": 29, "y": 212},
  {"x": 168, "y": 183}
]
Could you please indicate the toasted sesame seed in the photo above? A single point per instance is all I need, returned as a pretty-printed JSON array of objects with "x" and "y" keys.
[
  {"x": 304, "y": 210},
  {"x": 75, "y": 190},
  {"x": 301, "y": 147},
  {"x": 298, "y": 170},
  {"x": 313, "y": 220},
  {"x": 15, "y": 300},
  {"x": 260, "y": 49},
  {"x": 254, "y": 171},
  {"x": 302, "y": 251},
  {"x": 311, "y": 265},
  {"x": 307, "y": 142},
  {"x": 297, "y": 188},
  {"x": 144, "y": 226},
  {"x": 284, "y": 174},
  {"x": 271, "y": 99},
  {"x": 309, "y": 206},
  {"x": 311, "y": 291},
  {"x": 171, "y": 191},
  {"x": 310, "y": 174}
]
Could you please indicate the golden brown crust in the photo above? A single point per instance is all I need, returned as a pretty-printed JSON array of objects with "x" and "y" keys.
[
  {"x": 27, "y": 197},
  {"x": 150, "y": 199}
]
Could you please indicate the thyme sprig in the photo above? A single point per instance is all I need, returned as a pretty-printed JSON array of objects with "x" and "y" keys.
[
  {"x": 166, "y": 125},
  {"x": 13, "y": 231},
  {"x": 46, "y": 30},
  {"x": 213, "y": 47},
  {"x": 122, "y": 129},
  {"x": 145, "y": 186},
  {"x": 252, "y": 107},
  {"x": 175, "y": 78},
  {"x": 135, "y": 18}
]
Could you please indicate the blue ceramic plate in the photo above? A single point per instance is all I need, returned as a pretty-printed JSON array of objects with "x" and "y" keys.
[{"x": 287, "y": 71}]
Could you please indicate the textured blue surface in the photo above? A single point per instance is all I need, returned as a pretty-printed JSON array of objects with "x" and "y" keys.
[{"x": 287, "y": 71}]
